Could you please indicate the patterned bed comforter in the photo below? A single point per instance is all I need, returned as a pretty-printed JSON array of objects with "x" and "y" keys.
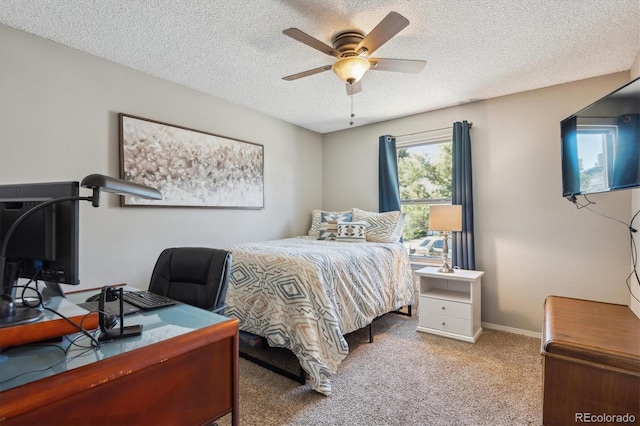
[{"x": 305, "y": 294}]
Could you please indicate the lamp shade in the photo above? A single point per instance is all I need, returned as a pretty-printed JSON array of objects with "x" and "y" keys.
[
  {"x": 120, "y": 187},
  {"x": 351, "y": 69},
  {"x": 445, "y": 218}
]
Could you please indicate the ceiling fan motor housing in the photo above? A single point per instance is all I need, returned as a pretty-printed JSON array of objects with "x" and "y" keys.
[{"x": 346, "y": 42}]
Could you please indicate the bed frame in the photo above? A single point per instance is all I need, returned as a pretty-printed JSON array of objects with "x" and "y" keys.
[{"x": 301, "y": 377}]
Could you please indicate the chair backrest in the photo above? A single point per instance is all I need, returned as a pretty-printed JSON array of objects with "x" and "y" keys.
[{"x": 197, "y": 276}]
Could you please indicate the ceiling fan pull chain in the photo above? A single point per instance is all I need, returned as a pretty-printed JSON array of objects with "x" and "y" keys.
[{"x": 352, "y": 114}]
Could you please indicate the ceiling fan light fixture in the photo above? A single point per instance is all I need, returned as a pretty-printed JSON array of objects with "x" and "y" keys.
[{"x": 351, "y": 69}]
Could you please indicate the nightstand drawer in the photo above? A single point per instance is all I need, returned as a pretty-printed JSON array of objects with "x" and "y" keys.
[
  {"x": 444, "y": 323},
  {"x": 445, "y": 307}
]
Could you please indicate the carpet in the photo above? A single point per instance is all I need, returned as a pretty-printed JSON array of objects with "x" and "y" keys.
[{"x": 405, "y": 378}]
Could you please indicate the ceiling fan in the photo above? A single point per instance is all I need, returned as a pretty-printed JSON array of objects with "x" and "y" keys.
[{"x": 352, "y": 48}]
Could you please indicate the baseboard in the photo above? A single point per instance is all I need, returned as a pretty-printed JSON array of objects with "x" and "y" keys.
[{"x": 512, "y": 330}]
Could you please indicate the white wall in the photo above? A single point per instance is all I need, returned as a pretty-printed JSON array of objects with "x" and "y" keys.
[
  {"x": 530, "y": 241},
  {"x": 58, "y": 122}
]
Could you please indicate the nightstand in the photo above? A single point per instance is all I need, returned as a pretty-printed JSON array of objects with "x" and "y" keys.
[{"x": 450, "y": 303}]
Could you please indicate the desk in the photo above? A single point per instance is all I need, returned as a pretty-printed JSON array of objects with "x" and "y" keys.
[
  {"x": 183, "y": 369},
  {"x": 590, "y": 362}
]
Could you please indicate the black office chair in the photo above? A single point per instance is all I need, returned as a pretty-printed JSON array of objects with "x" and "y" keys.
[{"x": 197, "y": 276}]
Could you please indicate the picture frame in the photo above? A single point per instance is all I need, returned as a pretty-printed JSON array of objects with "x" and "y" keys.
[{"x": 189, "y": 167}]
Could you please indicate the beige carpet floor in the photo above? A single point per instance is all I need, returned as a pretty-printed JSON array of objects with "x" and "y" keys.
[{"x": 406, "y": 378}]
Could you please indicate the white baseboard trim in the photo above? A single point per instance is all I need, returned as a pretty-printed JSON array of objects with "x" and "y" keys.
[{"x": 512, "y": 330}]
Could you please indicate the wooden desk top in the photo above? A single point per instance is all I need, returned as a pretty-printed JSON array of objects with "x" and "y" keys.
[
  {"x": 603, "y": 333},
  {"x": 131, "y": 380},
  {"x": 31, "y": 363}
]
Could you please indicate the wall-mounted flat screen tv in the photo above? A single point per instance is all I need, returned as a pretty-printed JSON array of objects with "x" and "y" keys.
[{"x": 601, "y": 144}]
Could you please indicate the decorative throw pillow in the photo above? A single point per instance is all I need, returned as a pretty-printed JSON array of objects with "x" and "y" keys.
[
  {"x": 328, "y": 230},
  {"x": 381, "y": 227},
  {"x": 316, "y": 219},
  {"x": 336, "y": 216},
  {"x": 352, "y": 231},
  {"x": 329, "y": 224}
]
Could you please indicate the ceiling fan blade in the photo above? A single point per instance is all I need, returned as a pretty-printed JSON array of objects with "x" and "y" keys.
[
  {"x": 305, "y": 38},
  {"x": 354, "y": 88},
  {"x": 396, "y": 65},
  {"x": 307, "y": 73},
  {"x": 391, "y": 25}
]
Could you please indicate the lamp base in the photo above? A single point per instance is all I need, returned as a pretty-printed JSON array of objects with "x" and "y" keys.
[
  {"x": 445, "y": 268},
  {"x": 129, "y": 331}
]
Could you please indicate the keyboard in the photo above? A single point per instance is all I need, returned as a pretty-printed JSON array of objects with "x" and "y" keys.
[{"x": 147, "y": 300}]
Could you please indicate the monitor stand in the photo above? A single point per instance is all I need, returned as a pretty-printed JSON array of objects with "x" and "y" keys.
[
  {"x": 11, "y": 315},
  {"x": 50, "y": 290}
]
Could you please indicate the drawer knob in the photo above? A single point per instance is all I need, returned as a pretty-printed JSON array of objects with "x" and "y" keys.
[
  {"x": 443, "y": 308},
  {"x": 442, "y": 323}
]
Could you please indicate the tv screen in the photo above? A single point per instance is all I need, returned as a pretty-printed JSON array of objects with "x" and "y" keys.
[{"x": 601, "y": 144}]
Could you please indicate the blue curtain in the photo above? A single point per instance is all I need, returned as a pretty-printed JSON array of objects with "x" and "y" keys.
[
  {"x": 463, "y": 251},
  {"x": 388, "y": 183}
]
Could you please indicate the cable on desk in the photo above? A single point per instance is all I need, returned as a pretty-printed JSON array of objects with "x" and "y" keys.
[
  {"x": 26, "y": 287},
  {"x": 95, "y": 343},
  {"x": 64, "y": 360},
  {"x": 40, "y": 305}
]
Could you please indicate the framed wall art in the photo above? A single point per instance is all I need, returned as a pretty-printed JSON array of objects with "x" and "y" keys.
[{"x": 189, "y": 167}]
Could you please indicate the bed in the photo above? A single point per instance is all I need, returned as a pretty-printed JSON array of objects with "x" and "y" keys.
[{"x": 305, "y": 294}]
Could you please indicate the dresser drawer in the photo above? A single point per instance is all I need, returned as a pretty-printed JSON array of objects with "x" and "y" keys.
[
  {"x": 445, "y": 307},
  {"x": 444, "y": 323}
]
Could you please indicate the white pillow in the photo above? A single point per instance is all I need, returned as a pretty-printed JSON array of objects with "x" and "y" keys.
[
  {"x": 381, "y": 227},
  {"x": 397, "y": 233}
]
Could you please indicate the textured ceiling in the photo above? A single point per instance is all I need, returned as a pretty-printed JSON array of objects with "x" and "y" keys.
[{"x": 235, "y": 50}]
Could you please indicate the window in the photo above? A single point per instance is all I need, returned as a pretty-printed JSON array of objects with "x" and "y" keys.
[
  {"x": 424, "y": 172},
  {"x": 595, "y": 153}
]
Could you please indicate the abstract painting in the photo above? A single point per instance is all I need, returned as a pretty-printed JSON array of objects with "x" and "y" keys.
[{"x": 189, "y": 167}]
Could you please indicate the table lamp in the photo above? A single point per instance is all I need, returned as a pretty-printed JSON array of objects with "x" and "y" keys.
[{"x": 446, "y": 218}]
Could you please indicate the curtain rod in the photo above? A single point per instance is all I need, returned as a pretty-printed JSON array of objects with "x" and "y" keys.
[{"x": 427, "y": 131}]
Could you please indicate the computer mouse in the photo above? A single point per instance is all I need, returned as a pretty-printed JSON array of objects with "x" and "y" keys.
[{"x": 94, "y": 298}]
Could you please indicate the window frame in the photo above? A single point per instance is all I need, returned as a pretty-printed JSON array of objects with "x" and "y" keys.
[
  {"x": 608, "y": 135},
  {"x": 439, "y": 137}
]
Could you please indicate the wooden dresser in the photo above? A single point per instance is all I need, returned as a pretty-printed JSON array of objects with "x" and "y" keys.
[{"x": 591, "y": 363}]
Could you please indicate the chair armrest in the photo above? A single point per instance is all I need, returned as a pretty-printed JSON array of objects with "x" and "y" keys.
[{"x": 219, "y": 309}]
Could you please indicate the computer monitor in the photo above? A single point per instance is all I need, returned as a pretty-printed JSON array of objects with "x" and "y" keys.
[{"x": 45, "y": 245}]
